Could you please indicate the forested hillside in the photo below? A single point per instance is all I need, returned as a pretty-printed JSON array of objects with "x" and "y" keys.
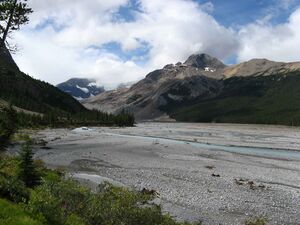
[
  {"x": 262, "y": 100},
  {"x": 23, "y": 91},
  {"x": 43, "y": 104}
]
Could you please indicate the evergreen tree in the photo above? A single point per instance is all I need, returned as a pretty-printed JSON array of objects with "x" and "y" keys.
[
  {"x": 13, "y": 14},
  {"x": 7, "y": 125},
  {"x": 27, "y": 170}
]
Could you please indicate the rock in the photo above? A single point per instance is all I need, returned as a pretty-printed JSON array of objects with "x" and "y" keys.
[
  {"x": 210, "y": 167},
  {"x": 216, "y": 175},
  {"x": 238, "y": 182}
]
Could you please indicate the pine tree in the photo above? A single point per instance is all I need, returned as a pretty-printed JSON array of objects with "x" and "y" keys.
[
  {"x": 27, "y": 170},
  {"x": 13, "y": 14},
  {"x": 7, "y": 125}
]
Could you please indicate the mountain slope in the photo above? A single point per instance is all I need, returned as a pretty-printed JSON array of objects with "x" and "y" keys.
[
  {"x": 203, "y": 89},
  {"x": 81, "y": 88},
  {"x": 261, "y": 100},
  {"x": 30, "y": 94},
  {"x": 178, "y": 81}
]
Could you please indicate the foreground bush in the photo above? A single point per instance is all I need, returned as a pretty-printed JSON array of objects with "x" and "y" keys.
[
  {"x": 67, "y": 201},
  {"x": 257, "y": 221},
  {"x": 15, "y": 215}
]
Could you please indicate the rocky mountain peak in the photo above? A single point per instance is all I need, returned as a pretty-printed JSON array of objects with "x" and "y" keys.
[
  {"x": 81, "y": 88},
  {"x": 204, "y": 61}
]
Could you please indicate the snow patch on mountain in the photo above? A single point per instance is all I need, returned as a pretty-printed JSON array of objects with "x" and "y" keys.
[
  {"x": 80, "y": 88},
  {"x": 85, "y": 90}
]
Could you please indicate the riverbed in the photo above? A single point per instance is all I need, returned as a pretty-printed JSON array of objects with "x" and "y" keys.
[{"x": 215, "y": 173}]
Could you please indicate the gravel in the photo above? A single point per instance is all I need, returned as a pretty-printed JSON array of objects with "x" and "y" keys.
[{"x": 194, "y": 181}]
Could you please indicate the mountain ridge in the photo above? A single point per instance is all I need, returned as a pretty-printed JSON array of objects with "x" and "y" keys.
[{"x": 200, "y": 78}]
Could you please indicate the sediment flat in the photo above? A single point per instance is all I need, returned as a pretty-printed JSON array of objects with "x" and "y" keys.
[{"x": 216, "y": 173}]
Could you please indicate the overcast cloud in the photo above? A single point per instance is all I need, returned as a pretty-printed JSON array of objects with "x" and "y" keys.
[{"x": 94, "y": 39}]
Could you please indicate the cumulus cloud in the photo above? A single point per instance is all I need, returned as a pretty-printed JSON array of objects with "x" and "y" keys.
[
  {"x": 67, "y": 38},
  {"x": 276, "y": 42},
  {"x": 56, "y": 42}
]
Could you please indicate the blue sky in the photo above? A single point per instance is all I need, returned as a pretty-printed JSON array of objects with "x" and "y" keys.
[
  {"x": 120, "y": 41},
  {"x": 233, "y": 12},
  {"x": 229, "y": 13},
  {"x": 238, "y": 13}
]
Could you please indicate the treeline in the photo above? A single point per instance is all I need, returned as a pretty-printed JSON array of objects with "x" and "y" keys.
[
  {"x": 86, "y": 118},
  {"x": 10, "y": 120},
  {"x": 7, "y": 125}
]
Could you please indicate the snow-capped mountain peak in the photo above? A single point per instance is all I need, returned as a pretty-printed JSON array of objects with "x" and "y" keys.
[{"x": 81, "y": 88}]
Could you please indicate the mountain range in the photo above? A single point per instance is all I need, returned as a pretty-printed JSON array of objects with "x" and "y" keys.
[
  {"x": 204, "y": 89},
  {"x": 81, "y": 88}
]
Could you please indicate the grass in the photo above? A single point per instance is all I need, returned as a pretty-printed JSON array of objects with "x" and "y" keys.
[{"x": 12, "y": 214}]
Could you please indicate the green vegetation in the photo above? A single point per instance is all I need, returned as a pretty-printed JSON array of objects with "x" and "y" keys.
[
  {"x": 259, "y": 100},
  {"x": 27, "y": 93},
  {"x": 86, "y": 118},
  {"x": 27, "y": 170},
  {"x": 51, "y": 106},
  {"x": 13, "y": 13},
  {"x": 256, "y": 221},
  {"x": 7, "y": 125},
  {"x": 45, "y": 105},
  {"x": 61, "y": 201},
  {"x": 11, "y": 214}
]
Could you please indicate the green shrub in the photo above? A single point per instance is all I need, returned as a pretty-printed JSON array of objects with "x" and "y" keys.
[
  {"x": 43, "y": 202},
  {"x": 256, "y": 221},
  {"x": 74, "y": 220},
  {"x": 9, "y": 165},
  {"x": 13, "y": 189},
  {"x": 57, "y": 201},
  {"x": 119, "y": 206},
  {"x": 14, "y": 215}
]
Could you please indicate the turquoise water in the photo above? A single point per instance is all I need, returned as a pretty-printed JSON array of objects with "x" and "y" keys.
[{"x": 254, "y": 151}]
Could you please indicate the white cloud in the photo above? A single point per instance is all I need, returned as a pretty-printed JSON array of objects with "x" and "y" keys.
[
  {"x": 56, "y": 45},
  {"x": 173, "y": 29},
  {"x": 275, "y": 42}
]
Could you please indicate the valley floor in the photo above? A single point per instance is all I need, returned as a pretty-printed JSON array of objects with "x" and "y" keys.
[{"x": 216, "y": 173}]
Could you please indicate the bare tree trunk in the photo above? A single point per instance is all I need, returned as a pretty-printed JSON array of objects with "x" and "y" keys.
[{"x": 5, "y": 33}]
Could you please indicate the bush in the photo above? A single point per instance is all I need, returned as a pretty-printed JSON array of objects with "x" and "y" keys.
[
  {"x": 119, "y": 206},
  {"x": 44, "y": 203},
  {"x": 13, "y": 189},
  {"x": 66, "y": 202},
  {"x": 58, "y": 201},
  {"x": 14, "y": 215},
  {"x": 74, "y": 220},
  {"x": 256, "y": 221}
]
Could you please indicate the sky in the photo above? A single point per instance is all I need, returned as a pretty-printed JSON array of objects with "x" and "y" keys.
[{"x": 120, "y": 41}]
